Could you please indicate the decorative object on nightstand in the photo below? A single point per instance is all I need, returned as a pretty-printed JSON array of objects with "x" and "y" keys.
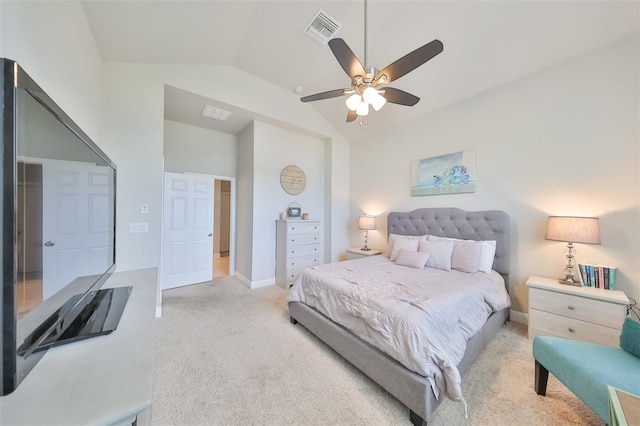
[
  {"x": 580, "y": 313},
  {"x": 358, "y": 253},
  {"x": 572, "y": 229},
  {"x": 367, "y": 223}
]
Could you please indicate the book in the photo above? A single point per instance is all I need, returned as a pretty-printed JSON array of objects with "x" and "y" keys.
[{"x": 598, "y": 276}]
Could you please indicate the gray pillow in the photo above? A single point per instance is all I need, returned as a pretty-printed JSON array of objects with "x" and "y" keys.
[{"x": 440, "y": 253}]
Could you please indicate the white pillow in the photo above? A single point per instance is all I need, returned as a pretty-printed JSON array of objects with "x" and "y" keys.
[
  {"x": 403, "y": 244},
  {"x": 413, "y": 259},
  {"x": 440, "y": 253},
  {"x": 394, "y": 237},
  {"x": 488, "y": 253},
  {"x": 467, "y": 254}
]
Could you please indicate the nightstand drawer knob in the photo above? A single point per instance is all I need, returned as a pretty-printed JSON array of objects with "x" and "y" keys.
[
  {"x": 571, "y": 308},
  {"x": 571, "y": 330}
]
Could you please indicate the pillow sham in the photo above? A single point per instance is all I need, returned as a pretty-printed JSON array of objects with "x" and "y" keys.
[
  {"x": 439, "y": 253},
  {"x": 403, "y": 244},
  {"x": 394, "y": 237},
  {"x": 413, "y": 259},
  {"x": 466, "y": 256},
  {"x": 488, "y": 253}
]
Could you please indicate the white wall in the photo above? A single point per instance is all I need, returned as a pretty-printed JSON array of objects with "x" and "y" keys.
[
  {"x": 197, "y": 150},
  {"x": 53, "y": 43},
  {"x": 274, "y": 149},
  {"x": 245, "y": 188},
  {"x": 563, "y": 141}
]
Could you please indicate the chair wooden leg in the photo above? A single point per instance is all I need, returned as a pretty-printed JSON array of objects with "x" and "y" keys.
[{"x": 542, "y": 376}]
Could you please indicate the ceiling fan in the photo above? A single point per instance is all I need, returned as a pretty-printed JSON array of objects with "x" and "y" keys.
[{"x": 367, "y": 82}]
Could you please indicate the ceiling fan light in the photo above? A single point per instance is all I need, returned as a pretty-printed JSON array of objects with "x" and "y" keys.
[
  {"x": 378, "y": 102},
  {"x": 353, "y": 101},
  {"x": 369, "y": 94},
  {"x": 363, "y": 109}
]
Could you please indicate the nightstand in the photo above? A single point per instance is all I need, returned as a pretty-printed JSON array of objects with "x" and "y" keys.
[
  {"x": 579, "y": 313},
  {"x": 358, "y": 253}
]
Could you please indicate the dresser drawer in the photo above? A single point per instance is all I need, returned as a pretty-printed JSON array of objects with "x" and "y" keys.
[
  {"x": 302, "y": 262},
  {"x": 545, "y": 323},
  {"x": 591, "y": 310},
  {"x": 296, "y": 239},
  {"x": 302, "y": 250},
  {"x": 302, "y": 227}
]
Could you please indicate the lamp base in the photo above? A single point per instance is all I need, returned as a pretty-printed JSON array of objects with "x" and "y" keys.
[
  {"x": 365, "y": 248},
  {"x": 570, "y": 281}
]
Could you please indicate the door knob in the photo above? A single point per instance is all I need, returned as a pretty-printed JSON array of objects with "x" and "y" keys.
[
  {"x": 50, "y": 243},
  {"x": 210, "y": 234}
]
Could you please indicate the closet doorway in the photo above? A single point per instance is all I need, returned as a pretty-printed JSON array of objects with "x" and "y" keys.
[{"x": 222, "y": 228}]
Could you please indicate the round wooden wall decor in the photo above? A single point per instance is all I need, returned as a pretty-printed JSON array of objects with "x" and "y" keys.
[{"x": 293, "y": 180}]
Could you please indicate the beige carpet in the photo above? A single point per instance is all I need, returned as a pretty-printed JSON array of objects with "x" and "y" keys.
[{"x": 227, "y": 355}]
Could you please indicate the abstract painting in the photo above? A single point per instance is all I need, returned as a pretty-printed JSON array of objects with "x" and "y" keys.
[{"x": 445, "y": 174}]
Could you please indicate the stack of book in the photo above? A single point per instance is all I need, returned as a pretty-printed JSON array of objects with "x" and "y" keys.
[{"x": 598, "y": 276}]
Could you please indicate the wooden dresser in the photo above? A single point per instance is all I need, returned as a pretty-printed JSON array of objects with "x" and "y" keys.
[
  {"x": 580, "y": 313},
  {"x": 298, "y": 245}
]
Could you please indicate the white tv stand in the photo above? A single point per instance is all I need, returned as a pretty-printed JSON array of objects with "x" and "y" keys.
[{"x": 102, "y": 380}]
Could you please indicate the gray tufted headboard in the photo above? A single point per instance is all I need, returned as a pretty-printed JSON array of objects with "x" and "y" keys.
[{"x": 456, "y": 223}]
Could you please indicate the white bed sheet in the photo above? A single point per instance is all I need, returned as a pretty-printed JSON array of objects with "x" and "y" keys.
[{"x": 421, "y": 318}]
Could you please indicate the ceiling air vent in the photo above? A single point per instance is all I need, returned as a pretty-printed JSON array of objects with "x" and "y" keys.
[
  {"x": 215, "y": 113},
  {"x": 322, "y": 27}
]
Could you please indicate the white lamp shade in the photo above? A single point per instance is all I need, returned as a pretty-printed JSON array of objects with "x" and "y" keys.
[
  {"x": 573, "y": 229},
  {"x": 363, "y": 109},
  {"x": 367, "y": 222},
  {"x": 369, "y": 94},
  {"x": 378, "y": 102},
  {"x": 353, "y": 101}
]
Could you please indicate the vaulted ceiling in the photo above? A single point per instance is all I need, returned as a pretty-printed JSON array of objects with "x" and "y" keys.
[{"x": 486, "y": 44}]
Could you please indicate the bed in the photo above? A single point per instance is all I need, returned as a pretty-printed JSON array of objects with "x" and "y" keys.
[{"x": 415, "y": 391}]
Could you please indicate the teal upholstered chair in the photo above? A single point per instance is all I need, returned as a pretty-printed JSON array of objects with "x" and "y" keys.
[{"x": 587, "y": 368}]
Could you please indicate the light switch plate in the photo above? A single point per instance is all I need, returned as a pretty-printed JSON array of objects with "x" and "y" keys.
[{"x": 144, "y": 208}]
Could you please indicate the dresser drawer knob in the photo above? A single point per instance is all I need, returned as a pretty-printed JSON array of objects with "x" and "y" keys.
[
  {"x": 571, "y": 330},
  {"x": 571, "y": 308}
]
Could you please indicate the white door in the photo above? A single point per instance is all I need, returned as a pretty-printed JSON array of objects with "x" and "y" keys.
[
  {"x": 187, "y": 250},
  {"x": 75, "y": 222}
]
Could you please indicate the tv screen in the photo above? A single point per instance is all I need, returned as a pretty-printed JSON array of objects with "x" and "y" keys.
[{"x": 58, "y": 228}]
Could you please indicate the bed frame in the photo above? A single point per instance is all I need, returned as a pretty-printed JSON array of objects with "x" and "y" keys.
[{"x": 410, "y": 388}]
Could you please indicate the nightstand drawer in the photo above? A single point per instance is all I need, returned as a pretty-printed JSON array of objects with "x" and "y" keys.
[
  {"x": 593, "y": 311},
  {"x": 571, "y": 328}
]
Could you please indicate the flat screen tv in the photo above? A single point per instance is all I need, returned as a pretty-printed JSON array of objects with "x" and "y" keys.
[{"x": 58, "y": 229}]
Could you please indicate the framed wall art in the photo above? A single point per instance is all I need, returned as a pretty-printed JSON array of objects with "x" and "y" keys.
[{"x": 445, "y": 174}]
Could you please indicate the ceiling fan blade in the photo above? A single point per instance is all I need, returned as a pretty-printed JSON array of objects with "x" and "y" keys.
[
  {"x": 323, "y": 95},
  {"x": 351, "y": 116},
  {"x": 346, "y": 58},
  {"x": 397, "y": 96},
  {"x": 410, "y": 61}
]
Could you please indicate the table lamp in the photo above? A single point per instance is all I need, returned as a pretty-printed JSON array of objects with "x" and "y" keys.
[
  {"x": 572, "y": 229},
  {"x": 367, "y": 223}
]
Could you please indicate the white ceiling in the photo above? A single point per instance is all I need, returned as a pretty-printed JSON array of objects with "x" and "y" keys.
[{"x": 486, "y": 44}]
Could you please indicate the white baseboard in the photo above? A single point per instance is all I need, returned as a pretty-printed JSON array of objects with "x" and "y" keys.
[
  {"x": 158, "y": 311},
  {"x": 254, "y": 284},
  {"x": 519, "y": 317}
]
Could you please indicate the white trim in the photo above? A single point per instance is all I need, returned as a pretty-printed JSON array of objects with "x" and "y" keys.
[
  {"x": 158, "y": 311},
  {"x": 252, "y": 285}
]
